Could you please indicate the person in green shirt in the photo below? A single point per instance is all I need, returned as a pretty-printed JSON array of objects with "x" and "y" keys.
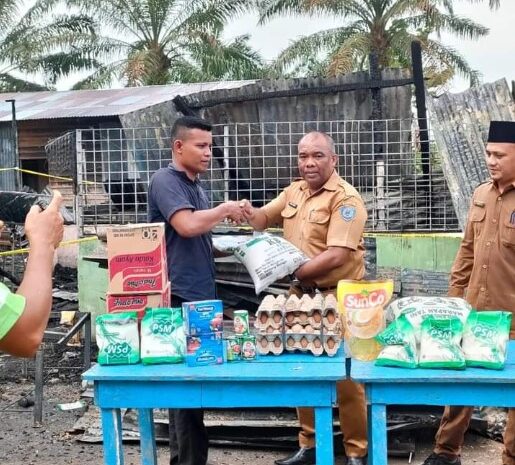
[{"x": 24, "y": 314}]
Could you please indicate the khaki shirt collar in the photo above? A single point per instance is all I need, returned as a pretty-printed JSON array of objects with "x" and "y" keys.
[{"x": 330, "y": 185}]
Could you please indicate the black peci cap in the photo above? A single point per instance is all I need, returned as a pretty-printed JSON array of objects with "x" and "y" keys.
[{"x": 502, "y": 132}]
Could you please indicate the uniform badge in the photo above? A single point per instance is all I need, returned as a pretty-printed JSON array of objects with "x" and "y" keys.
[{"x": 348, "y": 212}]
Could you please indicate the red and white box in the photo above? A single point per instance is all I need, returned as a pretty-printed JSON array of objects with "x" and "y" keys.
[
  {"x": 136, "y": 256},
  {"x": 117, "y": 303}
]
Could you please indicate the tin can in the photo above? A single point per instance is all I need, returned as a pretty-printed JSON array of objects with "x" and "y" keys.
[
  {"x": 241, "y": 322},
  {"x": 233, "y": 348},
  {"x": 248, "y": 347}
]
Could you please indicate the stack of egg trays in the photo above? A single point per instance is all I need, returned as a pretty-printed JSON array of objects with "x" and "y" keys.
[
  {"x": 303, "y": 324},
  {"x": 269, "y": 324},
  {"x": 332, "y": 326}
]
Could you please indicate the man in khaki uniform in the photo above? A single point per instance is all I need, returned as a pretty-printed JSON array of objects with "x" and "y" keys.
[
  {"x": 324, "y": 216},
  {"x": 484, "y": 272}
]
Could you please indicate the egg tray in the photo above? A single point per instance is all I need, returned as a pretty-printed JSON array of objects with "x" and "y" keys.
[
  {"x": 332, "y": 320},
  {"x": 304, "y": 311},
  {"x": 304, "y": 343},
  {"x": 270, "y": 344},
  {"x": 331, "y": 343},
  {"x": 269, "y": 319},
  {"x": 297, "y": 328}
]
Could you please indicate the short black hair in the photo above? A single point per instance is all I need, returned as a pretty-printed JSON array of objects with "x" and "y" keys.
[{"x": 189, "y": 122}]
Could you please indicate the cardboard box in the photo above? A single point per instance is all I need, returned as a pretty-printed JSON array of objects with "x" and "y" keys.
[
  {"x": 204, "y": 349},
  {"x": 203, "y": 317},
  {"x": 137, "y": 259},
  {"x": 117, "y": 303}
]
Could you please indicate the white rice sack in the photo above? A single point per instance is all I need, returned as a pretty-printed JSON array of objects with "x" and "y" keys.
[
  {"x": 268, "y": 259},
  {"x": 227, "y": 243},
  {"x": 418, "y": 308}
]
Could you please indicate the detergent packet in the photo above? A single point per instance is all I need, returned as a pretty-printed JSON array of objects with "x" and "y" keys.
[
  {"x": 440, "y": 343},
  {"x": 399, "y": 345},
  {"x": 485, "y": 338},
  {"x": 117, "y": 338},
  {"x": 163, "y": 339}
]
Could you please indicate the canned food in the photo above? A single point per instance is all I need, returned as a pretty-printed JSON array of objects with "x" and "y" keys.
[
  {"x": 241, "y": 322},
  {"x": 248, "y": 347},
  {"x": 233, "y": 348}
]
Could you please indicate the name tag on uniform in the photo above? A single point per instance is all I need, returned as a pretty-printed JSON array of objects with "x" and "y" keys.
[
  {"x": 292, "y": 205},
  {"x": 479, "y": 203}
]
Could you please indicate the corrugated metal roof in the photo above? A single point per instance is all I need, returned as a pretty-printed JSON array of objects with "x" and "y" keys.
[{"x": 111, "y": 102}]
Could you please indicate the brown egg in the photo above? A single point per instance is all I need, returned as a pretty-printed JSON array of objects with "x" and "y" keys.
[
  {"x": 330, "y": 343},
  {"x": 317, "y": 343},
  {"x": 277, "y": 342},
  {"x": 289, "y": 317},
  {"x": 303, "y": 317},
  {"x": 304, "y": 342},
  {"x": 290, "y": 342},
  {"x": 277, "y": 317},
  {"x": 264, "y": 343},
  {"x": 317, "y": 317},
  {"x": 263, "y": 318},
  {"x": 330, "y": 318}
]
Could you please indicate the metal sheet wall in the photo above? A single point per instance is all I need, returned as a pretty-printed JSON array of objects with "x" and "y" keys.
[
  {"x": 460, "y": 123},
  {"x": 7, "y": 158}
]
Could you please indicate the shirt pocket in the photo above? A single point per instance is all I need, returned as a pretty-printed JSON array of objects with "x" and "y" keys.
[
  {"x": 289, "y": 212},
  {"x": 508, "y": 234},
  {"x": 477, "y": 218},
  {"x": 317, "y": 226}
]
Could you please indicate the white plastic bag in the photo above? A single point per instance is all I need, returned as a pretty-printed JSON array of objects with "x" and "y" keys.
[{"x": 268, "y": 259}]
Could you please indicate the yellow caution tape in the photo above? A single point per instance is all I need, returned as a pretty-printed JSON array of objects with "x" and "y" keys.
[
  {"x": 45, "y": 175},
  {"x": 62, "y": 244}
]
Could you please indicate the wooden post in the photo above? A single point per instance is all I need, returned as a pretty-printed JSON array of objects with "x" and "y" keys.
[{"x": 420, "y": 99}]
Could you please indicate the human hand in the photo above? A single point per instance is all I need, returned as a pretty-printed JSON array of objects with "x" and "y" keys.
[
  {"x": 45, "y": 228},
  {"x": 247, "y": 209},
  {"x": 233, "y": 212}
]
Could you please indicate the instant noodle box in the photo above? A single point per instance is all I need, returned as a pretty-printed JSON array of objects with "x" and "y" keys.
[
  {"x": 137, "y": 259},
  {"x": 116, "y": 303},
  {"x": 203, "y": 317}
]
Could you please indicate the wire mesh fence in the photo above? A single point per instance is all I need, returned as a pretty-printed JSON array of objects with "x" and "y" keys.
[{"x": 403, "y": 188}]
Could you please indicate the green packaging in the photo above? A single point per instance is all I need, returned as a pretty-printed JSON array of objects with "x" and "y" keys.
[
  {"x": 440, "y": 344},
  {"x": 162, "y": 336},
  {"x": 248, "y": 347},
  {"x": 233, "y": 348},
  {"x": 241, "y": 322},
  {"x": 399, "y": 345},
  {"x": 117, "y": 338},
  {"x": 485, "y": 338}
]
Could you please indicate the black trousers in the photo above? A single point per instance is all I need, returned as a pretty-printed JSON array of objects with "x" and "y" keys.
[{"x": 188, "y": 434}]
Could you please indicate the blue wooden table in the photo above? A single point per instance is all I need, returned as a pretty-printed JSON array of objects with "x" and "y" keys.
[
  {"x": 289, "y": 380},
  {"x": 401, "y": 386}
]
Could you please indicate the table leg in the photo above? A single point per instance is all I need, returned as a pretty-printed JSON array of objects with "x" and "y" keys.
[
  {"x": 324, "y": 435},
  {"x": 147, "y": 436},
  {"x": 377, "y": 444},
  {"x": 112, "y": 435}
]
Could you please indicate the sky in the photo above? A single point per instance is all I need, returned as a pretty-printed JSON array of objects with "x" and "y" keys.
[{"x": 493, "y": 56}]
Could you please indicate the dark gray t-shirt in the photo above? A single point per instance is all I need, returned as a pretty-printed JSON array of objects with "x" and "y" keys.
[{"x": 191, "y": 265}]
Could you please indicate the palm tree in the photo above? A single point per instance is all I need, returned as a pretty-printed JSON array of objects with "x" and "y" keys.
[
  {"x": 385, "y": 28},
  {"x": 148, "y": 42},
  {"x": 37, "y": 43}
]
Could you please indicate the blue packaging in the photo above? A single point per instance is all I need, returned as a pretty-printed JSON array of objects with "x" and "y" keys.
[
  {"x": 203, "y": 317},
  {"x": 204, "y": 349}
]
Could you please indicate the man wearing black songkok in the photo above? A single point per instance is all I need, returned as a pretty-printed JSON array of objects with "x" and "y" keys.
[{"x": 484, "y": 274}]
